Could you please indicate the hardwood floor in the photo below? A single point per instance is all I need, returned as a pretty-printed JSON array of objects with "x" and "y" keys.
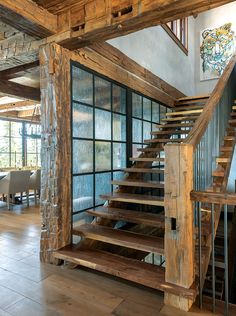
[{"x": 30, "y": 288}]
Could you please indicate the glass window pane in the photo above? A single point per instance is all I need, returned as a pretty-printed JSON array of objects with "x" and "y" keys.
[
  {"x": 162, "y": 112},
  {"x": 136, "y": 153},
  {"x": 137, "y": 131},
  {"x": 82, "y": 121},
  {"x": 82, "y": 156},
  {"x": 136, "y": 105},
  {"x": 102, "y": 124},
  {"x": 4, "y": 128},
  {"x": 16, "y": 160},
  {"x": 102, "y": 186},
  {"x": 102, "y": 93},
  {"x": 119, "y": 99},
  {"x": 4, "y": 144},
  {"x": 119, "y": 127},
  {"x": 16, "y": 129},
  {"x": 4, "y": 160},
  {"x": 155, "y": 112},
  {"x": 146, "y": 109},
  {"x": 119, "y": 155},
  {"x": 82, "y": 86},
  {"x": 102, "y": 156},
  {"x": 147, "y": 130},
  {"x": 82, "y": 192}
]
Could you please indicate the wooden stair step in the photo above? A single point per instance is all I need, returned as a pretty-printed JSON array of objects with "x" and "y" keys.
[
  {"x": 138, "y": 183},
  {"x": 187, "y": 112},
  {"x": 226, "y": 149},
  {"x": 129, "y": 269},
  {"x": 175, "y": 125},
  {"x": 218, "y": 173},
  {"x": 234, "y": 107},
  {"x": 163, "y": 140},
  {"x": 117, "y": 214},
  {"x": 180, "y": 118},
  {"x": 120, "y": 237},
  {"x": 222, "y": 160},
  {"x": 232, "y": 122},
  {"x": 190, "y": 100},
  {"x": 233, "y": 114},
  {"x": 229, "y": 138},
  {"x": 171, "y": 132},
  {"x": 150, "y": 149},
  {"x": 142, "y": 159},
  {"x": 134, "y": 198},
  {"x": 144, "y": 170},
  {"x": 187, "y": 107}
]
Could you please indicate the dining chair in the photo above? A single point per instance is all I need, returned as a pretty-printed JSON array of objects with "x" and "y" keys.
[
  {"x": 35, "y": 183},
  {"x": 15, "y": 182}
]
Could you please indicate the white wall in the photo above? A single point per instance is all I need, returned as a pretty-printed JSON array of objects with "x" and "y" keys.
[
  {"x": 155, "y": 50},
  {"x": 212, "y": 18}
]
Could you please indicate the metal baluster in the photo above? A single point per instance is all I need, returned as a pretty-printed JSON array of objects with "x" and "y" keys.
[
  {"x": 200, "y": 253},
  {"x": 226, "y": 260},
  {"x": 213, "y": 257}
]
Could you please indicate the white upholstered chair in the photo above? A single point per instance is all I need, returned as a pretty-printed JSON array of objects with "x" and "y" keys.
[
  {"x": 35, "y": 183},
  {"x": 15, "y": 182}
]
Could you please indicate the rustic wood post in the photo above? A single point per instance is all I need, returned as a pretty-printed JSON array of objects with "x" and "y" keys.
[
  {"x": 56, "y": 150},
  {"x": 179, "y": 221}
]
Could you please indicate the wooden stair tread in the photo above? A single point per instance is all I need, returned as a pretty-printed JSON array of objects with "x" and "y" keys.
[
  {"x": 147, "y": 149},
  {"x": 121, "y": 238},
  {"x": 229, "y": 138},
  {"x": 142, "y": 159},
  {"x": 226, "y": 149},
  {"x": 194, "y": 97},
  {"x": 175, "y": 125},
  {"x": 134, "y": 198},
  {"x": 223, "y": 160},
  {"x": 136, "y": 271},
  {"x": 138, "y": 183},
  {"x": 181, "y": 118},
  {"x": 218, "y": 173},
  {"x": 234, "y": 107},
  {"x": 187, "y": 112},
  {"x": 163, "y": 140},
  {"x": 144, "y": 170},
  {"x": 187, "y": 107},
  {"x": 144, "y": 218},
  {"x": 170, "y": 132}
]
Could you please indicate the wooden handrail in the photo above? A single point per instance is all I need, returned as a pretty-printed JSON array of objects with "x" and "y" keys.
[
  {"x": 213, "y": 197},
  {"x": 204, "y": 119}
]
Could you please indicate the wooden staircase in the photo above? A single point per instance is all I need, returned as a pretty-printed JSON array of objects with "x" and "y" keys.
[{"x": 131, "y": 225}]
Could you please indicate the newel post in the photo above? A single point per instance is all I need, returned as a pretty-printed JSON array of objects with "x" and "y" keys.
[
  {"x": 56, "y": 150},
  {"x": 179, "y": 221}
]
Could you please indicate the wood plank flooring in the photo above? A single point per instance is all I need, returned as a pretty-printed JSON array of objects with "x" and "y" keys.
[{"x": 30, "y": 288}]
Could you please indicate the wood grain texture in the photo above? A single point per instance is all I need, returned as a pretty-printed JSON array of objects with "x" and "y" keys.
[
  {"x": 121, "y": 238},
  {"x": 179, "y": 237},
  {"x": 26, "y": 16},
  {"x": 56, "y": 150},
  {"x": 214, "y": 197},
  {"x": 17, "y": 90}
]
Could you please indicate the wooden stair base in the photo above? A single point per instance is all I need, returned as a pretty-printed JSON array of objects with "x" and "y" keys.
[
  {"x": 129, "y": 269},
  {"x": 134, "y": 198},
  {"x": 147, "y": 159},
  {"x": 138, "y": 183},
  {"x": 121, "y": 238},
  {"x": 143, "y": 218},
  {"x": 175, "y": 125},
  {"x": 151, "y": 150}
]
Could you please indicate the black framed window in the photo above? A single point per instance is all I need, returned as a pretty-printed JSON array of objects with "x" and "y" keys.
[
  {"x": 109, "y": 123},
  {"x": 98, "y": 136}
]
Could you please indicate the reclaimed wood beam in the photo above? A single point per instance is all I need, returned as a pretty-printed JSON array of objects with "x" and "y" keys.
[
  {"x": 17, "y": 90},
  {"x": 14, "y": 106},
  {"x": 93, "y": 22},
  {"x": 28, "y": 17},
  {"x": 18, "y": 71}
]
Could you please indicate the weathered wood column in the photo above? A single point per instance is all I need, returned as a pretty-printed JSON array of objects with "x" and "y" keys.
[
  {"x": 179, "y": 217},
  {"x": 56, "y": 150}
]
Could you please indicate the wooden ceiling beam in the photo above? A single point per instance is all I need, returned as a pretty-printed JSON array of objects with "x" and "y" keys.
[
  {"x": 28, "y": 17},
  {"x": 14, "y": 106},
  {"x": 18, "y": 71},
  {"x": 93, "y": 22},
  {"x": 17, "y": 90}
]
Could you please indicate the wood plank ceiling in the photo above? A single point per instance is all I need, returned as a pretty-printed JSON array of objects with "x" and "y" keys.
[{"x": 56, "y": 6}]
